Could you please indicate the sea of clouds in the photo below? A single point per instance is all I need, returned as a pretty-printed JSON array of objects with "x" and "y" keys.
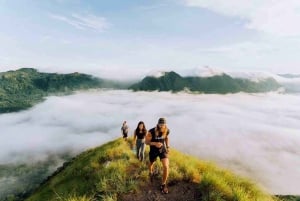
[{"x": 255, "y": 135}]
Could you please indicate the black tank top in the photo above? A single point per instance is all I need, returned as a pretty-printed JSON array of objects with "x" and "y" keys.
[
  {"x": 158, "y": 138},
  {"x": 140, "y": 134}
]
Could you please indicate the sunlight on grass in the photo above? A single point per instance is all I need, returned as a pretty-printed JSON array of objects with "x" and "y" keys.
[
  {"x": 113, "y": 169},
  {"x": 214, "y": 183}
]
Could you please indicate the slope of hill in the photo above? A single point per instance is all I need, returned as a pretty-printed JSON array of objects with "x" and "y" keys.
[
  {"x": 172, "y": 81},
  {"x": 23, "y": 88},
  {"x": 17, "y": 179},
  {"x": 111, "y": 172}
]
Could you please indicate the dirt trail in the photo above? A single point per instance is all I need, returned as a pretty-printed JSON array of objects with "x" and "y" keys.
[{"x": 181, "y": 191}]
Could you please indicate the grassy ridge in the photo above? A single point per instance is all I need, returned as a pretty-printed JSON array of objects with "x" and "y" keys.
[{"x": 108, "y": 171}]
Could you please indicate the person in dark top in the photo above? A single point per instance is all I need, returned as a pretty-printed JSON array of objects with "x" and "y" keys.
[
  {"x": 124, "y": 130},
  {"x": 158, "y": 139},
  {"x": 139, "y": 137}
]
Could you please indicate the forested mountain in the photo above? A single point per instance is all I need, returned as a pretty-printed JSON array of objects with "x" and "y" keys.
[
  {"x": 172, "y": 81},
  {"x": 23, "y": 88}
]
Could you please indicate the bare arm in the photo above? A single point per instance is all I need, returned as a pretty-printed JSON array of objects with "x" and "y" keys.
[
  {"x": 148, "y": 141},
  {"x": 167, "y": 141},
  {"x": 148, "y": 138}
]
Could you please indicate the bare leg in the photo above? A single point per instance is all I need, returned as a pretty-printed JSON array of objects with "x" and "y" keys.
[
  {"x": 151, "y": 167},
  {"x": 151, "y": 171},
  {"x": 165, "y": 163}
]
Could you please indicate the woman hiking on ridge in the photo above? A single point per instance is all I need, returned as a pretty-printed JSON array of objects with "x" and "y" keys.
[
  {"x": 158, "y": 140},
  {"x": 124, "y": 130},
  {"x": 139, "y": 139}
]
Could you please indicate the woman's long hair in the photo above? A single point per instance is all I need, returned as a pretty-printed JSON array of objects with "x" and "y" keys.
[
  {"x": 164, "y": 130},
  {"x": 144, "y": 130}
]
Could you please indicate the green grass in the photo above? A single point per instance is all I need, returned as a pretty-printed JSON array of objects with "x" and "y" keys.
[
  {"x": 107, "y": 171},
  {"x": 214, "y": 183},
  {"x": 100, "y": 172}
]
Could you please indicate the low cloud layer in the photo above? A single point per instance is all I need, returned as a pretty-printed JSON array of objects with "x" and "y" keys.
[{"x": 256, "y": 135}]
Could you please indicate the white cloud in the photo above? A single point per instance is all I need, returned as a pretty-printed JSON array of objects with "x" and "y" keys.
[
  {"x": 276, "y": 55},
  {"x": 136, "y": 58},
  {"x": 254, "y": 135},
  {"x": 139, "y": 55},
  {"x": 271, "y": 16},
  {"x": 83, "y": 22}
]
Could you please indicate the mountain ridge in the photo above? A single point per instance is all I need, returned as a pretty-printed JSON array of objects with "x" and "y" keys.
[
  {"x": 171, "y": 81},
  {"x": 111, "y": 172},
  {"x": 25, "y": 87}
]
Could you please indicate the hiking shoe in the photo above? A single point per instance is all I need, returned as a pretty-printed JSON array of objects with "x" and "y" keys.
[
  {"x": 151, "y": 176},
  {"x": 164, "y": 189}
]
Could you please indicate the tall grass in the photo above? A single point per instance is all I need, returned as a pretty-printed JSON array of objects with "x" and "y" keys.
[
  {"x": 108, "y": 171},
  {"x": 214, "y": 183},
  {"x": 100, "y": 172}
]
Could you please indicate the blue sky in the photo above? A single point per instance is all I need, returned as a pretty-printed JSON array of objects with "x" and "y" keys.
[{"x": 138, "y": 36}]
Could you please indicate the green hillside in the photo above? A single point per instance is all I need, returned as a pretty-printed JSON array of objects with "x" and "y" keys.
[
  {"x": 18, "y": 180},
  {"x": 172, "y": 81},
  {"x": 25, "y": 87},
  {"x": 111, "y": 172}
]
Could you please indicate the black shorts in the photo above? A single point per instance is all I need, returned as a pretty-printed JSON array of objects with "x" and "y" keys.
[
  {"x": 154, "y": 154},
  {"x": 125, "y": 135}
]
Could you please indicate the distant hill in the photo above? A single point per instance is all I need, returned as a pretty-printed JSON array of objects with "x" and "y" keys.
[
  {"x": 25, "y": 87},
  {"x": 289, "y": 75},
  {"x": 172, "y": 81},
  {"x": 112, "y": 172},
  {"x": 290, "y": 82},
  {"x": 18, "y": 179}
]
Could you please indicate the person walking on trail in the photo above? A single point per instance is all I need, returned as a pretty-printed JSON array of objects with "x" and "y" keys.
[
  {"x": 158, "y": 139},
  {"x": 124, "y": 130},
  {"x": 139, "y": 139}
]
